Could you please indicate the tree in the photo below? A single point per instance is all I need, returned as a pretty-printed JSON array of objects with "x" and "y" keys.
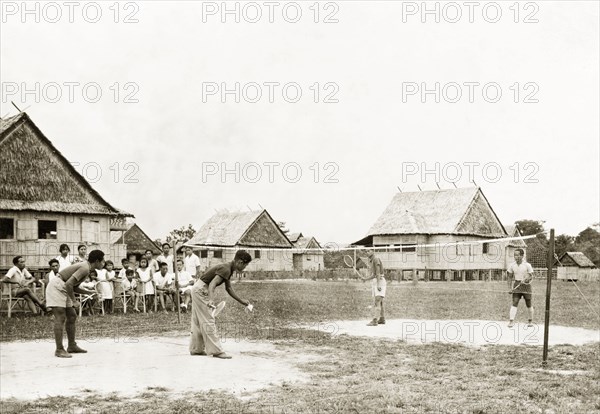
[
  {"x": 181, "y": 235},
  {"x": 563, "y": 243},
  {"x": 588, "y": 242},
  {"x": 530, "y": 227}
]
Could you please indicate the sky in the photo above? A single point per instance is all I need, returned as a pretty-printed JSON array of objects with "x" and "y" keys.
[{"x": 318, "y": 112}]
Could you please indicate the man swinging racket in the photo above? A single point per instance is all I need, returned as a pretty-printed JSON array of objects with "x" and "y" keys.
[{"x": 522, "y": 273}]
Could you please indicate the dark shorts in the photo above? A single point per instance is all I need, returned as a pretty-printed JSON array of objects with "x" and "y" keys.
[{"x": 521, "y": 290}]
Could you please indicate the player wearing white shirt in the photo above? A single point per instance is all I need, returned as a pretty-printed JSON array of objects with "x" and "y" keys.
[
  {"x": 521, "y": 272},
  {"x": 191, "y": 262}
]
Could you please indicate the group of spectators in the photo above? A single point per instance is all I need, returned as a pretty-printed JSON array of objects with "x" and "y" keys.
[{"x": 144, "y": 279}]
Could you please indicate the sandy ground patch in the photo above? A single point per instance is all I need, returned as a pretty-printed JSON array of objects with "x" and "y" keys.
[
  {"x": 474, "y": 333},
  {"x": 29, "y": 370}
]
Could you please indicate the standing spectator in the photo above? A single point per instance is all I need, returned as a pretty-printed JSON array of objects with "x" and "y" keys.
[
  {"x": 145, "y": 283},
  {"x": 191, "y": 262},
  {"x": 19, "y": 277},
  {"x": 54, "y": 266},
  {"x": 166, "y": 257},
  {"x": 82, "y": 250},
  {"x": 106, "y": 277},
  {"x": 152, "y": 263},
  {"x": 64, "y": 259}
]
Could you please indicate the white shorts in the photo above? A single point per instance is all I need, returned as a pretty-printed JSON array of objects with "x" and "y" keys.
[
  {"x": 383, "y": 285},
  {"x": 185, "y": 289}
]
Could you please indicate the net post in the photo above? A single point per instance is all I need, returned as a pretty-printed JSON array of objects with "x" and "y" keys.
[{"x": 549, "y": 263}]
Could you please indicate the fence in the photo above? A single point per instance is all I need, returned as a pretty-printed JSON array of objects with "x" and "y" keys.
[{"x": 576, "y": 273}]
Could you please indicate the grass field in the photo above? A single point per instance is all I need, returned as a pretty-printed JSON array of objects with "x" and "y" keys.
[{"x": 358, "y": 374}]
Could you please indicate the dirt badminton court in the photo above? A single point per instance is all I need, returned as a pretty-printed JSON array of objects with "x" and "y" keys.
[{"x": 30, "y": 371}]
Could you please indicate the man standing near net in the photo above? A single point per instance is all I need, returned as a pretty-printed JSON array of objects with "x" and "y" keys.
[
  {"x": 520, "y": 273},
  {"x": 378, "y": 285}
]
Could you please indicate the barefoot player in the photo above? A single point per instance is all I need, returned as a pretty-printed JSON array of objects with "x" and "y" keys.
[
  {"x": 522, "y": 273},
  {"x": 204, "y": 339},
  {"x": 60, "y": 296}
]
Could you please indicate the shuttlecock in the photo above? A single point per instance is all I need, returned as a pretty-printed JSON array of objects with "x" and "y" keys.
[{"x": 249, "y": 307}]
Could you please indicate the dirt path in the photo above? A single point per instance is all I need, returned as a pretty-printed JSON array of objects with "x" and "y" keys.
[{"x": 29, "y": 370}]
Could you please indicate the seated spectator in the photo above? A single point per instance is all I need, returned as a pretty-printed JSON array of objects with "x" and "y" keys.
[
  {"x": 90, "y": 298},
  {"x": 19, "y": 279},
  {"x": 124, "y": 266},
  {"x": 164, "y": 286},
  {"x": 129, "y": 284},
  {"x": 185, "y": 281}
]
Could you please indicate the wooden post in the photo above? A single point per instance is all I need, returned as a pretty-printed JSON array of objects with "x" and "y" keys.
[
  {"x": 550, "y": 263},
  {"x": 177, "y": 300},
  {"x": 415, "y": 277}
]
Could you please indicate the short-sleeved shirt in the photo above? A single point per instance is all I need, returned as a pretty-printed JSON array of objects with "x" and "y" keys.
[
  {"x": 64, "y": 262},
  {"x": 17, "y": 275},
  {"x": 168, "y": 260},
  {"x": 183, "y": 278},
  {"x": 224, "y": 270},
  {"x": 161, "y": 281},
  {"x": 521, "y": 271},
  {"x": 190, "y": 263},
  {"x": 79, "y": 271}
]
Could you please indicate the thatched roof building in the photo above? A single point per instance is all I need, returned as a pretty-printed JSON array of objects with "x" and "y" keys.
[
  {"x": 240, "y": 229},
  {"x": 576, "y": 259},
  {"x": 250, "y": 230},
  {"x": 513, "y": 231},
  {"x": 462, "y": 211},
  {"x": 136, "y": 240},
  {"x": 45, "y": 202},
  {"x": 35, "y": 176}
]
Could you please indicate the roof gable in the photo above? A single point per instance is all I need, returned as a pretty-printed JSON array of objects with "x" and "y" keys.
[
  {"x": 34, "y": 175},
  {"x": 254, "y": 228},
  {"x": 578, "y": 259},
  {"x": 453, "y": 211},
  {"x": 137, "y": 241}
]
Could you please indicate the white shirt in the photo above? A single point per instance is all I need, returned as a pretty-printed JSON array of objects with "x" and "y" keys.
[
  {"x": 520, "y": 271},
  {"x": 17, "y": 275},
  {"x": 190, "y": 263},
  {"x": 184, "y": 278},
  {"x": 160, "y": 281},
  {"x": 168, "y": 260},
  {"x": 64, "y": 261}
]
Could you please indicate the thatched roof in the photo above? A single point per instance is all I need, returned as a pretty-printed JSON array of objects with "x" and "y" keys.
[
  {"x": 136, "y": 239},
  {"x": 307, "y": 242},
  {"x": 35, "y": 176},
  {"x": 461, "y": 211},
  {"x": 251, "y": 229},
  {"x": 578, "y": 259},
  {"x": 513, "y": 231},
  {"x": 293, "y": 237}
]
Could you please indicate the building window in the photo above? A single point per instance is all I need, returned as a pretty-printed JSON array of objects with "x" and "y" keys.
[
  {"x": 203, "y": 254},
  {"x": 257, "y": 254},
  {"x": 409, "y": 248},
  {"x": 218, "y": 254},
  {"x": 486, "y": 248},
  {"x": 7, "y": 228},
  {"x": 46, "y": 229}
]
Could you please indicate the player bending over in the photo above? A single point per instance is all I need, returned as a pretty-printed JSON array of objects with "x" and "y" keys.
[{"x": 378, "y": 285}]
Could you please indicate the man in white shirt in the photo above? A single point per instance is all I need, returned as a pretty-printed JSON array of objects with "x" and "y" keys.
[
  {"x": 19, "y": 279},
  {"x": 165, "y": 257},
  {"x": 163, "y": 281},
  {"x": 522, "y": 273},
  {"x": 191, "y": 262},
  {"x": 185, "y": 281},
  {"x": 64, "y": 259}
]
